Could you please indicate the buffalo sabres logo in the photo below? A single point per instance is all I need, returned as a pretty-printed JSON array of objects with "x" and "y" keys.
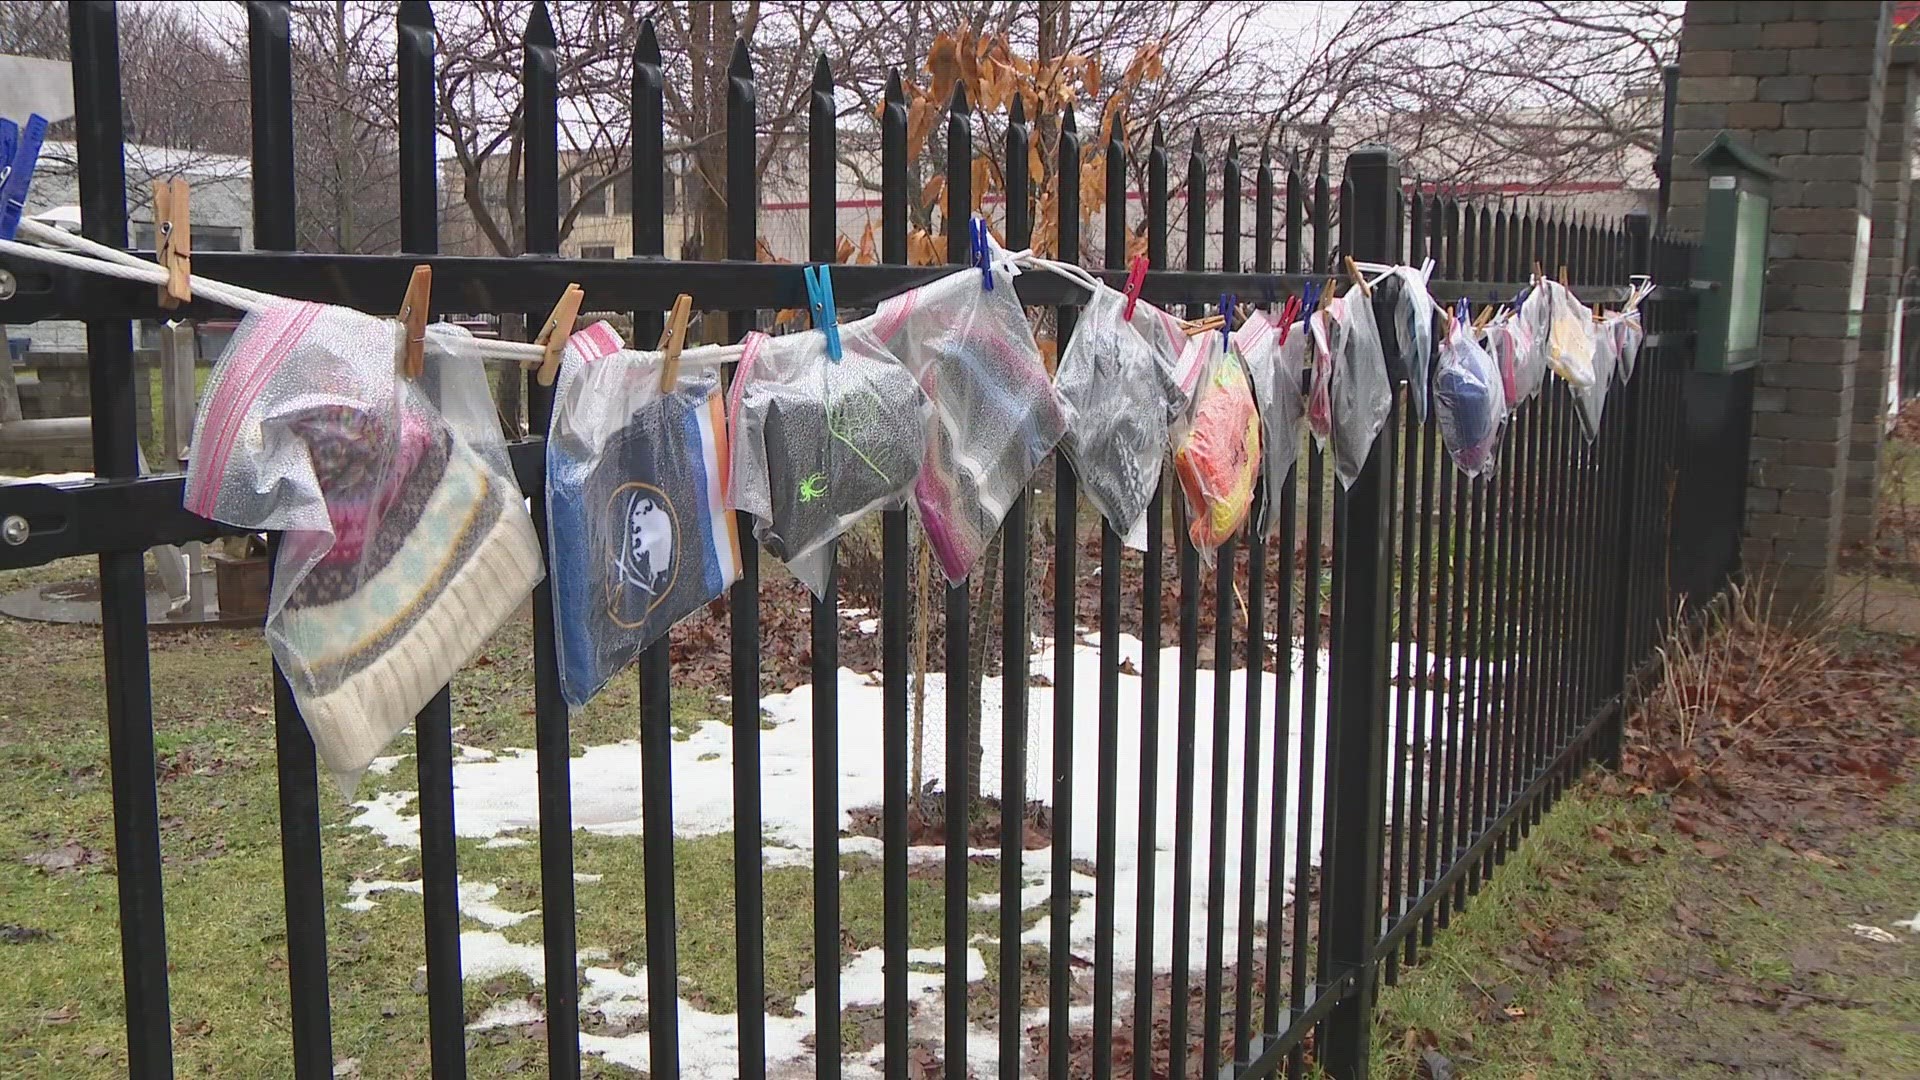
[{"x": 641, "y": 545}]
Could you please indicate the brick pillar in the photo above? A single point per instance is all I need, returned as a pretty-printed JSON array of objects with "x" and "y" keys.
[
  {"x": 1885, "y": 264},
  {"x": 1803, "y": 82}
]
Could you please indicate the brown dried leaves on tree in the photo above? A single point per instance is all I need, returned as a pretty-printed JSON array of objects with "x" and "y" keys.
[{"x": 995, "y": 77}]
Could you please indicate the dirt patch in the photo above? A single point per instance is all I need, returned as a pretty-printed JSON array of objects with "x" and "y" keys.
[{"x": 927, "y": 822}]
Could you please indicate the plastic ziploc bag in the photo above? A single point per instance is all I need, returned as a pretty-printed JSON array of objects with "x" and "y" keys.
[
  {"x": 1469, "y": 402},
  {"x": 1591, "y": 401},
  {"x": 819, "y": 443},
  {"x": 995, "y": 415},
  {"x": 1166, "y": 335},
  {"x": 1217, "y": 446},
  {"x": 1501, "y": 346},
  {"x": 1403, "y": 313},
  {"x": 1360, "y": 396},
  {"x": 1627, "y": 336},
  {"x": 1325, "y": 338},
  {"x": 407, "y": 542},
  {"x": 1563, "y": 330},
  {"x": 1275, "y": 353},
  {"x": 1118, "y": 392},
  {"x": 636, "y": 504},
  {"x": 1524, "y": 332}
]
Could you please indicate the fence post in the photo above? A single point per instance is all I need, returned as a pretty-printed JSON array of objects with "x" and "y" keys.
[
  {"x": 1639, "y": 261},
  {"x": 1357, "y": 765}
]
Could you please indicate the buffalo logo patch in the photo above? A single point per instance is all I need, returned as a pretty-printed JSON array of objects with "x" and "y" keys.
[{"x": 641, "y": 560}]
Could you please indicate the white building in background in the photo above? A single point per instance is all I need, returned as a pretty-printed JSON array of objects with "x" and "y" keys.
[{"x": 222, "y": 211}]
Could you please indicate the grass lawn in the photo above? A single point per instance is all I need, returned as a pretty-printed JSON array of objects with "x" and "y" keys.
[
  {"x": 1628, "y": 939},
  {"x": 60, "y": 997}
]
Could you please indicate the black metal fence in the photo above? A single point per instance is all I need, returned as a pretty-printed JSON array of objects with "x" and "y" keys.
[{"x": 1468, "y": 645}]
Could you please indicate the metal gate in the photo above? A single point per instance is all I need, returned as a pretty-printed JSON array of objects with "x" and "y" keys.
[{"x": 1535, "y": 593}]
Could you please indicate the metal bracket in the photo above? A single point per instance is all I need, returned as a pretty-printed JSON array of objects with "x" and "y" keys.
[{"x": 43, "y": 522}]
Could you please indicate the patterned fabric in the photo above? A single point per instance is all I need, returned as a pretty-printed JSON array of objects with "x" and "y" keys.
[
  {"x": 372, "y": 513},
  {"x": 1119, "y": 394},
  {"x": 820, "y": 443},
  {"x": 638, "y": 527},
  {"x": 996, "y": 415},
  {"x": 349, "y": 610},
  {"x": 405, "y": 542}
]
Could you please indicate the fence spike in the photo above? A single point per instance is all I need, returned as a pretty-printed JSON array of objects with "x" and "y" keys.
[
  {"x": 647, "y": 49},
  {"x": 540, "y": 25}
]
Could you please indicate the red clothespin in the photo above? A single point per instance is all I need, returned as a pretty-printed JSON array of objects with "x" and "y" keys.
[
  {"x": 1289, "y": 313},
  {"x": 1136, "y": 277}
]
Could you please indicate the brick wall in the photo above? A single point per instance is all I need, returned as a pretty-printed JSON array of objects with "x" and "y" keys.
[
  {"x": 1803, "y": 82},
  {"x": 1885, "y": 263}
]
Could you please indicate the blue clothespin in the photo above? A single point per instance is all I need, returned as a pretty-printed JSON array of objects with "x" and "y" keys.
[
  {"x": 820, "y": 301},
  {"x": 22, "y": 152},
  {"x": 1463, "y": 311},
  {"x": 1227, "y": 303},
  {"x": 1520, "y": 298},
  {"x": 982, "y": 249},
  {"x": 1309, "y": 299}
]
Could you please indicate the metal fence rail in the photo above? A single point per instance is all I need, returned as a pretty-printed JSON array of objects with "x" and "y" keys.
[{"x": 1476, "y": 639}]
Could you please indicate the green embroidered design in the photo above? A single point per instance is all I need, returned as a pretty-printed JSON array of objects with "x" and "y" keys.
[
  {"x": 858, "y": 411},
  {"x": 813, "y": 487}
]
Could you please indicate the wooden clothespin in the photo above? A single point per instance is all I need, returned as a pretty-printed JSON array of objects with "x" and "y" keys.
[
  {"x": 553, "y": 336},
  {"x": 1539, "y": 272},
  {"x": 1359, "y": 279},
  {"x": 413, "y": 321},
  {"x": 1563, "y": 274},
  {"x": 672, "y": 340},
  {"x": 173, "y": 240},
  {"x": 1486, "y": 316}
]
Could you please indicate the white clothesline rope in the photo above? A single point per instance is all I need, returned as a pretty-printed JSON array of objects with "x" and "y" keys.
[
  {"x": 61, "y": 248},
  {"x": 58, "y": 247},
  {"x": 79, "y": 253}
]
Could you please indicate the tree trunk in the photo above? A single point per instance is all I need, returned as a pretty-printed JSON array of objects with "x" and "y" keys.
[
  {"x": 982, "y": 630},
  {"x": 711, "y": 30},
  {"x": 343, "y": 162}
]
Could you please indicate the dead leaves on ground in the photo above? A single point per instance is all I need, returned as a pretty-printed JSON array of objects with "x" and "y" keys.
[
  {"x": 1759, "y": 709},
  {"x": 64, "y": 858}
]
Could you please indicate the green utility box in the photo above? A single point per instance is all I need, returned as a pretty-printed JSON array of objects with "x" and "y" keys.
[{"x": 1732, "y": 264}]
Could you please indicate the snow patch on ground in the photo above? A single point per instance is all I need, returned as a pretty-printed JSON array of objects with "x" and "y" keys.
[
  {"x": 476, "y": 900},
  {"x": 495, "y": 795}
]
